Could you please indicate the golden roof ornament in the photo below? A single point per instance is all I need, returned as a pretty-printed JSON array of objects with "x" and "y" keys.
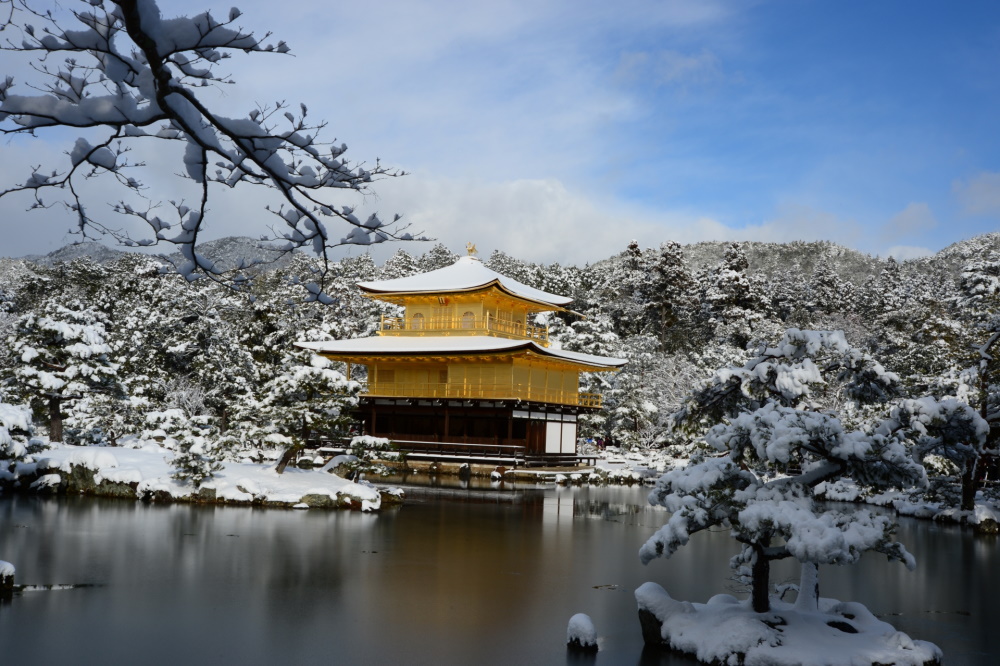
[{"x": 471, "y": 249}]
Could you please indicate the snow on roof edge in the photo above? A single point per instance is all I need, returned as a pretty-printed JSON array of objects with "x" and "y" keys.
[
  {"x": 466, "y": 274},
  {"x": 455, "y": 344}
]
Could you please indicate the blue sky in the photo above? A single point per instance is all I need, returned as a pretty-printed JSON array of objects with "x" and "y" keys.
[{"x": 558, "y": 130}]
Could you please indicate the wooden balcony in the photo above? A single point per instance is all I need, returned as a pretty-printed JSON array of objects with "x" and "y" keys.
[
  {"x": 479, "y": 392},
  {"x": 463, "y": 326}
]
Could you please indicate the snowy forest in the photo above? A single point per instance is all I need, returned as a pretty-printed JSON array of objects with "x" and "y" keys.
[
  {"x": 761, "y": 377},
  {"x": 110, "y": 348}
]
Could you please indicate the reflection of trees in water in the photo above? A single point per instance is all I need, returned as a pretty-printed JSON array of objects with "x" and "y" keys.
[
  {"x": 608, "y": 510},
  {"x": 440, "y": 578},
  {"x": 280, "y": 553}
]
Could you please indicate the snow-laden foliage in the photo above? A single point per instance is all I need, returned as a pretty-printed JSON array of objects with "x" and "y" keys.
[
  {"x": 142, "y": 89},
  {"x": 774, "y": 447},
  {"x": 797, "y": 372},
  {"x": 307, "y": 399},
  {"x": 15, "y": 429},
  {"x": 196, "y": 462},
  {"x": 61, "y": 355},
  {"x": 213, "y": 354},
  {"x": 947, "y": 428}
]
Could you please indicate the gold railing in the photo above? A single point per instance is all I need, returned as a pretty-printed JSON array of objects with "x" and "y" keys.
[
  {"x": 462, "y": 326},
  {"x": 480, "y": 392}
]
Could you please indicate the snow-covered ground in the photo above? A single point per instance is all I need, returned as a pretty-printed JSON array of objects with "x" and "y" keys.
[
  {"x": 150, "y": 468},
  {"x": 727, "y": 631},
  {"x": 620, "y": 466}
]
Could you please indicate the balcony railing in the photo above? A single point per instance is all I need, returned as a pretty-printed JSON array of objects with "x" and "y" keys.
[
  {"x": 479, "y": 392},
  {"x": 417, "y": 325}
]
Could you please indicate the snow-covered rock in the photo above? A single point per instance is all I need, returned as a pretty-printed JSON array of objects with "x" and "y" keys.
[{"x": 581, "y": 634}]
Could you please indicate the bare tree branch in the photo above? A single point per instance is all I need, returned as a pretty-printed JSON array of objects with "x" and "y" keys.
[{"x": 126, "y": 69}]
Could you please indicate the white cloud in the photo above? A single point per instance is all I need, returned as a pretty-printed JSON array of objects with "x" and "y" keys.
[
  {"x": 980, "y": 195},
  {"x": 904, "y": 252},
  {"x": 802, "y": 222},
  {"x": 545, "y": 221},
  {"x": 535, "y": 220},
  {"x": 914, "y": 219}
]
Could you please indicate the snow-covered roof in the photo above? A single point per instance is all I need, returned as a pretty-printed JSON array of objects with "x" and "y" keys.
[
  {"x": 461, "y": 344},
  {"x": 466, "y": 274}
]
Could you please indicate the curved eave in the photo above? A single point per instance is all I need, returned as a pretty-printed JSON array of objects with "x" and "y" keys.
[
  {"x": 493, "y": 284},
  {"x": 355, "y": 353}
]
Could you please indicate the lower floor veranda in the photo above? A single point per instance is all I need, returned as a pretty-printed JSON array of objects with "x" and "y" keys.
[{"x": 503, "y": 430}]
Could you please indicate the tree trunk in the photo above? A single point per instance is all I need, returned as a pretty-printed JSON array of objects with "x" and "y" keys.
[
  {"x": 287, "y": 457},
  {"x": 808, "y": 599},
  {"x": 969, "y": 485},
  {"x": 55, "y": 419},
  {"x": 761, "y": 578}
]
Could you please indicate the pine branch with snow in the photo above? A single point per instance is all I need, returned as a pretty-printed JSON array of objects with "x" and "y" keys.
[{"x": 774, "y": 447}]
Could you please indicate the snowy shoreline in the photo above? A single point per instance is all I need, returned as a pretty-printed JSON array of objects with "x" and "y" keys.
[
  {"x": 629, "y": 467},
  {"x": 146, "y": 474}
]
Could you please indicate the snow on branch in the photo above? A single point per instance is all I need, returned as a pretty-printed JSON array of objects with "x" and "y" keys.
[
  {"x": 775, "y": 446},
  {"x": 122, "y": 70},
  {"x": 793, "y": 373}
]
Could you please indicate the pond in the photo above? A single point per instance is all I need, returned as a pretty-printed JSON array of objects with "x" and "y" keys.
[{"x": 458, "y": 577}]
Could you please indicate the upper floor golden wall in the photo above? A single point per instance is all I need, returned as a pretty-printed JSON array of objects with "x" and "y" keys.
[{"x": 487, "y": 312}]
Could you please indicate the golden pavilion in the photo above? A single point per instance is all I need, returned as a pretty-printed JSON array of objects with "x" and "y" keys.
[{"x": 465, "y": 374}]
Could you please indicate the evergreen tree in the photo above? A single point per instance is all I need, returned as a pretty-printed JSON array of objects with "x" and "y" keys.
[
  {"x": 437, "y": 257},
  {"x": 15, "y": 430},
  {"x": 672, "y": 295},
  {"x": 399, "y": 265},
  {"x": 776, "y": 446},
  {"x": 309, "y": 398},
  {"x": 61, "y": 355},
  {"x": 195, "y": 462},
  {"x": 733, "y": 302},
  {"x": 506, "y": 265}
]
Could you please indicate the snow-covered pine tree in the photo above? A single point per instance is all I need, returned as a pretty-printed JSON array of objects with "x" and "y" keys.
[
  {"x": 774, "y": 447},
  {"x": 15, "y": 430},
  {"x": 401, "y": 264},
  {"x": 437, "y": 257},
  {"x": 505, "y": 264},
  {"x": 623, "y": 288},
  {"x": 979, "y": 305},
  {"x": 947, "y": 428},
  {"x": 308, "y": 399},
  {"x": 672, "y": 296},
  {"x": 593, "y": 335},
  {"x": 733, "y": 301},
  {"x": 195, "y": 462},
  {"x": 828, "y": 293},
  {"x": 61, "y": 355},
  {"x": 630, "y": 402}
]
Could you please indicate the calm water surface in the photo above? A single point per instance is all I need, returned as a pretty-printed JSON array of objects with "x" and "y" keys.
[{"x": 466, "y": 578}]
